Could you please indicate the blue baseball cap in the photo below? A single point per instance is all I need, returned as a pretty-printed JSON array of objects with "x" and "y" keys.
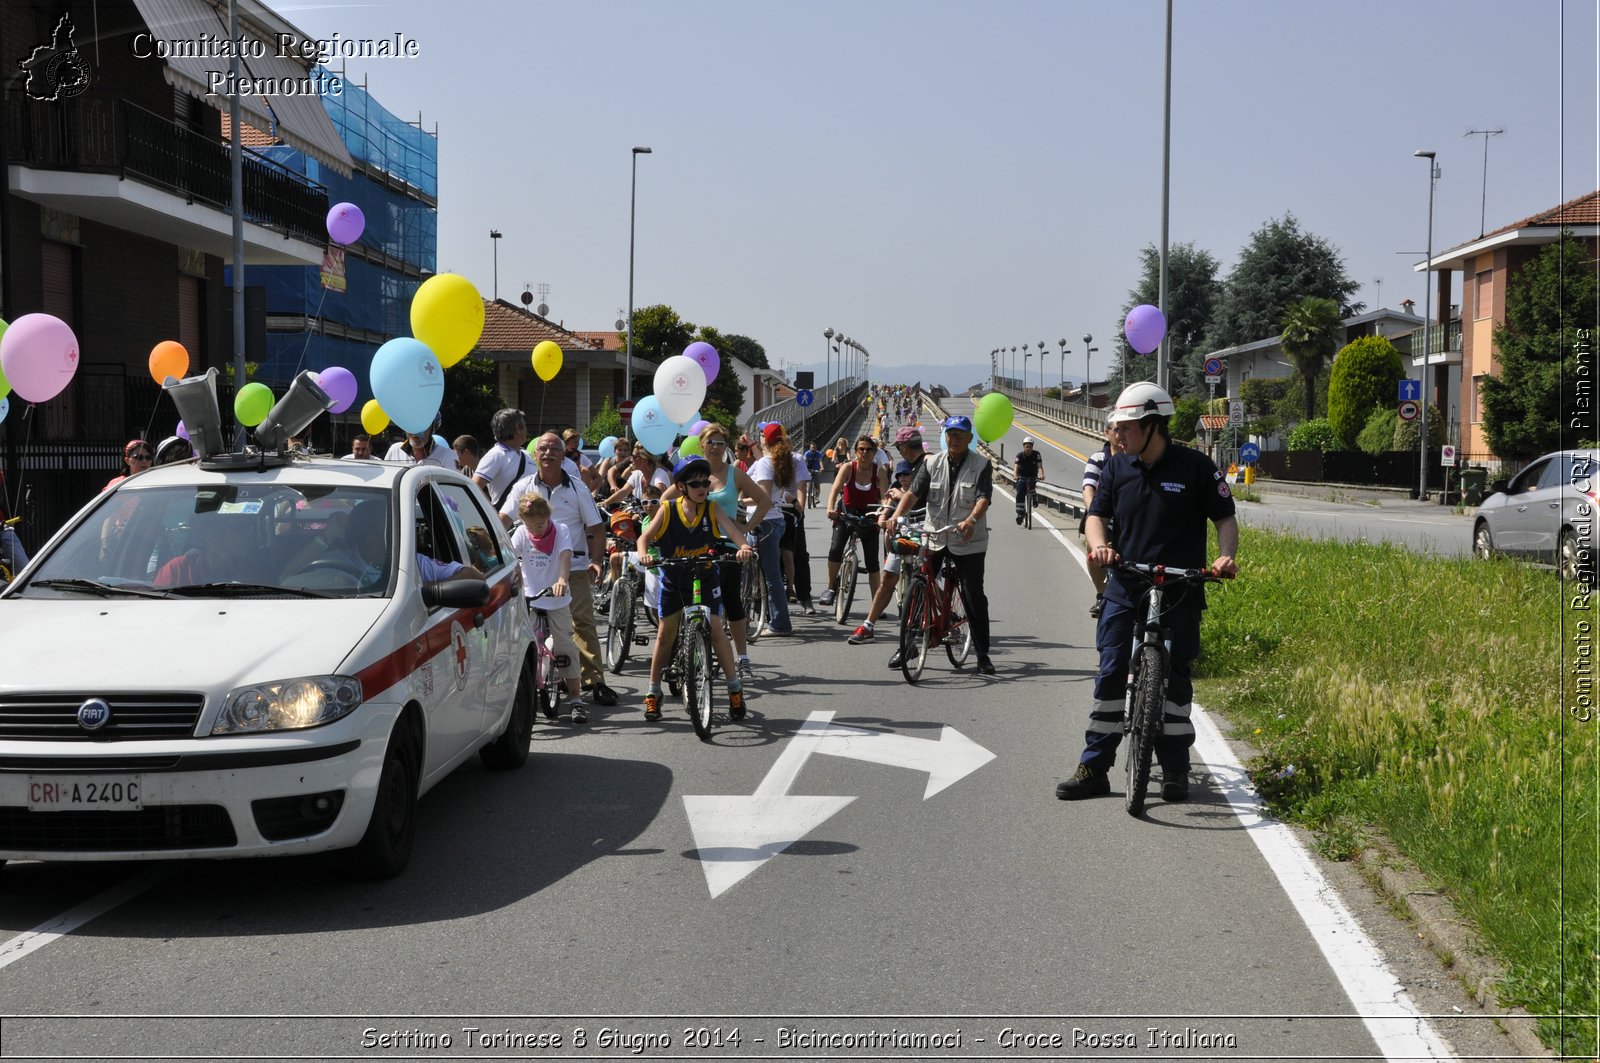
[
  {"x": 958, "y": 424},
  {"x": 904, "y": 468}
]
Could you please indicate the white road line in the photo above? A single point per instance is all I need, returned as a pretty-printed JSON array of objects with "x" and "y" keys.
[
  {"x": 1393, "y": 1021},
  {"x": 29, "y": 942}
]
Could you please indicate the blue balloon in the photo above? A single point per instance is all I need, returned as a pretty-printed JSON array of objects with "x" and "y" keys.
[
  {"x": 607, "y": 448},
  {"x": 438, "y": 441},
  {"x": 654, "y": 430},
  {"x": 5, "y": 408},
  {"x": 408, "y": 382}
]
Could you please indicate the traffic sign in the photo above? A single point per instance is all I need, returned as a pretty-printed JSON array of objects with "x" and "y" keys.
[
  {"x": 625, "y": 408},
  {"x": 1236, "y": 412},
  {"x": 1250, "y": 453},
  {"x": 1410, "y": 390},
  {"x": 1213, "y": 367},
  {"x": 1212, "y": 380},
  {"x": 1447, "y": 456},
  {"x": 805, "y": 397},
  {"x": 1409, "y": 411}
]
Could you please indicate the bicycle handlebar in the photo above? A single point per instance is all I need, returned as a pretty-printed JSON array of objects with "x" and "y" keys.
[{"x": 1154, "y": 574}]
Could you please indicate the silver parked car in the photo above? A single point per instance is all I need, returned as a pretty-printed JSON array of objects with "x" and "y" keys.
[{"x": 1546, "y": 512}]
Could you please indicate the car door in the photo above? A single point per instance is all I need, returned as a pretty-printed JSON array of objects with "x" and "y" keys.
[
  {"x": 1515, "y": 524},
  {"x": 504, "y": 617},
  {"x": 1541, "y": 508},
  {"x": 457, "y": 656}
]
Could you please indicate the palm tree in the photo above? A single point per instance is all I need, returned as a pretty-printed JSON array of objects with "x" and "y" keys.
[{"x": 1310, "y": 336}]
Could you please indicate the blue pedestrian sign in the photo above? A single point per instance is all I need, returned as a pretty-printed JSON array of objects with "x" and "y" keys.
[
  {"x": 805, "y": 397},
  {"x": 1250, "y": 453},
  {"x": 1410, "y": 390}
]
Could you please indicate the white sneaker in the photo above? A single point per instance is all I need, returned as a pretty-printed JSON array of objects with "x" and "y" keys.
[
  {"x": 826, "y": 597},
  {"x": 746, "y": 673}
]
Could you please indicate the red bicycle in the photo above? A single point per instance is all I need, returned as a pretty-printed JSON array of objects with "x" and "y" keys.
[{"x": 933, "y": 614}]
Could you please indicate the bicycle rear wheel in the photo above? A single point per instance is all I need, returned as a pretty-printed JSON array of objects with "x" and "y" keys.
[
  {"x": 697, "y": 678},
  {"x": 544, "y": 672},
  {"x": 1143, "y": 725},
  {"x": 753, "y": 585},
  {"x": 845, "y": 590},
  {"x": 619, "y": 629},
  {"x": 914, "y": 635},
  {"x": 957, "y": 632},
  {"x": 1027, "y": 510}
]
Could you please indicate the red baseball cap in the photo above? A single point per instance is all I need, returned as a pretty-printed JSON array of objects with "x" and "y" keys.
[{"x": 773, "y": 432}]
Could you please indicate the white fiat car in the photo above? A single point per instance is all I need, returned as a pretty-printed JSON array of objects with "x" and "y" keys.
[{"x": 240, "y": 657}]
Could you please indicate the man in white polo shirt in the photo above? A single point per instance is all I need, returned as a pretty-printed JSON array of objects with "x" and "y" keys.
[
  {"x": 506, "y": 462},
  {"x": 572, "y": 506}
]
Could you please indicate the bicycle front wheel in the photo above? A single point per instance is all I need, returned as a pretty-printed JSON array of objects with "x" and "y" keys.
[
  {"x": 914, "y": 633},
  {"x": 1143, "y": 725},
  {"x": 697, "y": 678},
  {"x": 957, "y": 632},
  {"x": 1027, "y": 511},
  {"x": 544, "y": 672},
  {"x": 619, "y": 628},
  {"x": 845, "y": 590}
]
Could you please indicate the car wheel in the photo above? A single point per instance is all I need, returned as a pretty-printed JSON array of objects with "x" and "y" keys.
[
  {"x": 510, "y": 750},
  {"x": 1482, "y": 541},
  {"x": 385, "y": 849},
  {"x": 1575, "y": 564}
]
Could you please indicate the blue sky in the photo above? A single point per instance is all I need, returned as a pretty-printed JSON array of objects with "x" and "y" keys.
[{"x": 939, "y": 178}]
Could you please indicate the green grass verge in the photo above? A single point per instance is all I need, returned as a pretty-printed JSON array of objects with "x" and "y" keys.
[{"x": 1423, "y": 697}]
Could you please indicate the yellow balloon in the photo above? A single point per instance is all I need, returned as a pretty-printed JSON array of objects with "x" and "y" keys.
[
  {"x": 547, "y": 360},
  {"x": 447, "y": 315},
  {"x": 373, "y": 419}
]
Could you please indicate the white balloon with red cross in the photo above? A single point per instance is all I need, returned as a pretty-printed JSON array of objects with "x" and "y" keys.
[{"x": 680, "y": 387}]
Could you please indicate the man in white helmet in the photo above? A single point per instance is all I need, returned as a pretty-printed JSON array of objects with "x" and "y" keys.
[
  {"x": 1160, "y": 495},
  {"x": 1029, "y": 470}
]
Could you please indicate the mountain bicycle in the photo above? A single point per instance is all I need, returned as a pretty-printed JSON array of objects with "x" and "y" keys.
[
  {"x": 1028, "y": 489},
  {"x": 691, "y": 664},
  {"x": 934, "y": 614},
  {"x": 1143, "y": 707},
  {"x": 844, "y": 584}
]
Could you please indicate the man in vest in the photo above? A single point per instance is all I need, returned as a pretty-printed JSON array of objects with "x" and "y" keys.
[{"x": 957, "y": 486}]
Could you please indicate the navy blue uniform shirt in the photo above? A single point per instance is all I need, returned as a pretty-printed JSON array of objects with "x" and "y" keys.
[{"x": 1160, "y": 511}]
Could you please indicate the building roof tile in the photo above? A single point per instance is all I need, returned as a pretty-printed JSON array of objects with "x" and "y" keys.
[{"x": 511, "y": 328}]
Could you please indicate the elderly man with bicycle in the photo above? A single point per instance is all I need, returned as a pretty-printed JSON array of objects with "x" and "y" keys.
[
  {"x": 1159, "y": 496},
  {"x": 957, "y": 485}
]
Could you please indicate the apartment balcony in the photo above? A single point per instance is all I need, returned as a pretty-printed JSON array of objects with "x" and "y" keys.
[
  {"x": 1444, "y": 344},
  {"x": 104, "y": 158}
]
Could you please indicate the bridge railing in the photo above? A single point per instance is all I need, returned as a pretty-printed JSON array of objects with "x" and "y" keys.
[{"x": 831, "y": 401}]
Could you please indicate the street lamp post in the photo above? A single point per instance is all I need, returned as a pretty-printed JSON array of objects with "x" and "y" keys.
[
  {"x": 1013, "y": 359},
  {"x": 1087, "y": 339},
  {"x": 633, "y": 199},
  {"x": 1427, "y": 312},
  {"x": 1041, "y": 369},
  {"x": 827, "y": 358},
  {"x": 494, "y": 241},
  {"x": 1063, "y": 394}
]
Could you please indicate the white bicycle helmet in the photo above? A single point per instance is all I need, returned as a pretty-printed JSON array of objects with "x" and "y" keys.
[{"x": 1139, "y": 401}]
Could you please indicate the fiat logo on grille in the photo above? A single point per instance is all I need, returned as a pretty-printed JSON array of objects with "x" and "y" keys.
[{"x": 94, "y": 714}]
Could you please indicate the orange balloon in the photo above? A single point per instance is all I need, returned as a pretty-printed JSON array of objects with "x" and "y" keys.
[{"x": 168, "y": 358}]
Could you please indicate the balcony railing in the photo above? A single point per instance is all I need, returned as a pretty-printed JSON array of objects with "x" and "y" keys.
[
  {"x": 101, "y": 133},
  {"x": 1440, "y": 339}
]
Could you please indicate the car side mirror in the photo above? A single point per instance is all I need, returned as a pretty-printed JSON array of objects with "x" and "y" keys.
[
  {"x": 455, "y": 593},
  {"x": 1499, "y": 487}
]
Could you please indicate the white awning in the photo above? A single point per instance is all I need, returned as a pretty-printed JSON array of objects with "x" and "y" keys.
[{"x": 186, "y": 26}]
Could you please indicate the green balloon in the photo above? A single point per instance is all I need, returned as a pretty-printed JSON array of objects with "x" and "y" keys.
[
  {"x": 690, "y": 448},
  {"x": 992, "y": 419},
  {"x": 252, "y": 404},
  {"x": 5, "y": 385}
]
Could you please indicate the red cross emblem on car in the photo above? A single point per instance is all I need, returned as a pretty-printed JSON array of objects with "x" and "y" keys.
[{"x": 458, "y": 642}]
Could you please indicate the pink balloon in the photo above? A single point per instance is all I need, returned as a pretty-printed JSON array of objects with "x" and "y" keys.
[
  {"x": 346, "y": 223},
  {"x": 1144, "y": 328},
  {"x": 39, "y": 355},
  {"x": 340, "y": 384},
  {"x": 706, "y": 357}
]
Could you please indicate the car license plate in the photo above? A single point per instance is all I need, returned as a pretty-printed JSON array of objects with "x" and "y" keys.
[{"x": 75, "y": 793}]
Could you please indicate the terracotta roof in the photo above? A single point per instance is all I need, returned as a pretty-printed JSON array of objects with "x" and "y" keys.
[
  {"x": 1213, "y": 421},
  {"x": 606, "y": 341},
  {"x": 511, "y": 328},
  {"x": 1585, "y": 210},
  {"x": 249, "y": 135}
]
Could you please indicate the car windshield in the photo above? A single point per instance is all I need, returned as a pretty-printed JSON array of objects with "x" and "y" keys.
[{"x": 231, "y": 540}]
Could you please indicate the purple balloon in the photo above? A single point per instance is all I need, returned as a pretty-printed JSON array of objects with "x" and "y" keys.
[
  {"x": 340, "y": 384},
  {"x": 706, "y": 356},
  {"x": 183, "y": 431},
  {"x": 1144, "y": 328},
  {"x": 346, "y": 223}
]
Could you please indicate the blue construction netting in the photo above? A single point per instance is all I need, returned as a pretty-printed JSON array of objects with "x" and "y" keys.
[{"x": 374, "y": 136}]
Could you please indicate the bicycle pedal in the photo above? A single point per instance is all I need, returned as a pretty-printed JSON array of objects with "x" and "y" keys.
[{"x": 641, "y": 640}]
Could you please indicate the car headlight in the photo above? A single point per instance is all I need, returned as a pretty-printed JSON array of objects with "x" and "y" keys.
[{"x": 288, "y": 705}]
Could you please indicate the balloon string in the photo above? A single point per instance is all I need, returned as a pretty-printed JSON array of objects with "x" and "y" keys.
[
  {"x": 317, "y": 317},
  {"x": 13, "y": 501}
]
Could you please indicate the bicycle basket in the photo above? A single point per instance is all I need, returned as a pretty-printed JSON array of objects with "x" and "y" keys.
[
  {"x": 625, "y": 526},
  {"x": 906, "y": 545}
]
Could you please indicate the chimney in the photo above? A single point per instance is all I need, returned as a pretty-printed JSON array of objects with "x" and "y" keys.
[{"x": 1408, "y": 305}]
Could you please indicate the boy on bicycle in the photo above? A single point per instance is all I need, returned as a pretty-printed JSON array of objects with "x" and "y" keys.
[
  {"x": 688, "y": 526},
  {"x": 544, "y": 552}
]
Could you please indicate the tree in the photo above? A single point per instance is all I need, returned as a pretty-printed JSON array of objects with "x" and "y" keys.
[
  {"x": 1278, "y": 267},
  {"x": 1377, "y": 435},
  {"x": 1311, "y": 332},
  {"x": 1529, "y": 402},
  {"x": 608, "y": 422},
  {"x": 1365, "y": 374},
  {"x": 1192, "y": 289},
  {"x": 471, "y": 397},
  {"x": 1312, "y": 435},
  {"x": 746, "y": 350},
  {"x": 1186, "y": 417},
  {"x": 658, "y": 334}
]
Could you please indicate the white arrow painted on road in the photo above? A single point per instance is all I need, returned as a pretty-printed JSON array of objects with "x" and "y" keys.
[{"x": 737, "y": 833}]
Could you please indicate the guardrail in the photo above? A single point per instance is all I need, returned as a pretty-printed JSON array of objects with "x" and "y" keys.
[
  {"x": 791, "y": 414},
  {"x": 1091, "y": 419}
]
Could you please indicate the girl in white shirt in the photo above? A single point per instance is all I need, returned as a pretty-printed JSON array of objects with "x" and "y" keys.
[{"x": 544, "y": 551}]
